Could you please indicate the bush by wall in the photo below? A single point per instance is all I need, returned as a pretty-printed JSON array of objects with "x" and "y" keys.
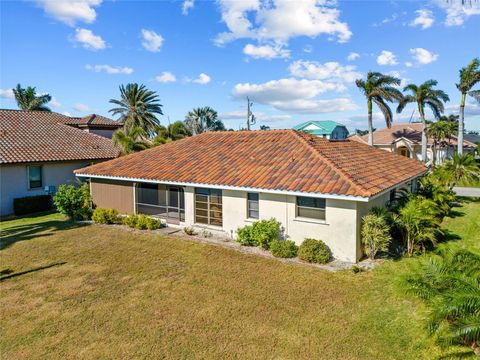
[
  {"x": 260, "y": 233},
  {"x": 375, "y": 234},
  {"x": 73, "y": 201},
  {"x": 314, "y": 251},
  {"x": 142, "y": 222},
  {"x": 105, "y": 216},
  {"x": 32, "y": 204},
  {"x": 283, "y": 248}
]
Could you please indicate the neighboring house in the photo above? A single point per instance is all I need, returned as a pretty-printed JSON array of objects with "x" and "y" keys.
[
  {"x": 327, "y": 129},
  {"x": 221, "y": 181},
  {"x": 406, "y": 140},
  {"x": 95, "y": 124},
  {"x": 38, "y": 152}
]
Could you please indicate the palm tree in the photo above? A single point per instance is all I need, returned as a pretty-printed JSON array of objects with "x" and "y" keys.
[
  {"x": 424, "y": 95},
  {"x": 203, "y": 119},
  {"x": 438, "y": 131},
  {"x": 176, "y": 131},
  {"x": 27, "y": 99},
  {"x": 137, "y": 108},
  {"x": 469, "y": 77},
  {"x": 461, "y": 168},
  {"x": 379, "y": 89},
  {"x": 130, "y": 142}
]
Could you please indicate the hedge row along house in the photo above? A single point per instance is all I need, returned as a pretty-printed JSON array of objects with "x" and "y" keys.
[
  {"x": 39, "y": 151},
  {"x": 220, "y": 181}
]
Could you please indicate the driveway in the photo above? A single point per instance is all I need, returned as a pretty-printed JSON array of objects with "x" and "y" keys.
[{"x": 467, "y": 191}]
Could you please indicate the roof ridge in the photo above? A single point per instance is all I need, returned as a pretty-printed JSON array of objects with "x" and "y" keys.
[{"x": 333, "y": 165}]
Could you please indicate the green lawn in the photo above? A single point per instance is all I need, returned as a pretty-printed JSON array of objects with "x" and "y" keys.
[{"x": 112, "y": 293}]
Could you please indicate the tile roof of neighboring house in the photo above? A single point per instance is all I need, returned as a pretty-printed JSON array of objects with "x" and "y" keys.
[
  {"x": 281, "y": 160},
  {"x": 410, "y": 131},
  {"x": 325, "y": 127},
  {"x": 30, "y": 136},
  {"x": 93, "y": 120}
]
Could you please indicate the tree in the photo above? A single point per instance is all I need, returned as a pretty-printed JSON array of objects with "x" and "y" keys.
[
  {"x": 137, "y": 108},
  {"x": 73, "y": 201},
  {"x": 379, "y": 89},
  {"x": 461, "y": 168},
  {"x": 203, "y": 119},
  {"x": 438, "y": 132},
  {"x": 469, "y": 77},
  {"x": 176, "y": 131},
  {"x": 27, "y": 99},
  {"x": 424, "y": 95},
  {"x": 375, "y": 234},
  {"x": 131, "y": 142}
]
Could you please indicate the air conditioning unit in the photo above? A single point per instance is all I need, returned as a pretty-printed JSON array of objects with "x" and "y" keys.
[{"x": 50, "y": 189}]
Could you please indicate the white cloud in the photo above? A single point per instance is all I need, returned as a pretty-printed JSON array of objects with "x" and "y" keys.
[
  {"x": 266, "y": 51},
  {"x": 390, "y": 19},
  {"x": 424, "y": 19},
  {"x": 408, "y": 64},
  {"x": 7, "y": 94},
  {"x": 280, "y": 20},
  {"x": 187, "y": 5},
  {"x": 66, "y": 113},
  {"x": 387, "y": 58},
  {"x": 55, "y": 103},
  {"x": 202, "y": 79},
  {"x": 151, "y": 41},
  {"x": 260, "y": 116},
  {"x": 328, "y": 71},
  {"x": 458, "y": 11},
  {"x": 82, "y": 108},
  {"x": 166, "y": 77},
  {"x": 308, "y": 49},
  {"x": 109, "y": 69},
  {"x": 353, "y": 56},
  {"x": 423, "y": 56},
  {"x": 89, "y": 40},
  {"x": 71, "y": 11}
]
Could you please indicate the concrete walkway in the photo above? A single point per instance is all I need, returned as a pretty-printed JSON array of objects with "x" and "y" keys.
[{"x": 467, "y": 191}]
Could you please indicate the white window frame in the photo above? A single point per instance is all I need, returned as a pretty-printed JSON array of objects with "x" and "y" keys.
[
  {"x": 258, "y": 206},
  {"x": 297, "y": 207}
]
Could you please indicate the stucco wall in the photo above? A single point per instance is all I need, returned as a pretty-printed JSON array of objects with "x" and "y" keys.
[
  {"x": 14, "y": 180},
  {"x": 113, "y": 194},
  {"x": 108, "y": 133}
]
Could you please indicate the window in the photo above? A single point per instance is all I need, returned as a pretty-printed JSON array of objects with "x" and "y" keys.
[
  {"x": 34, "y": 177},
  {"x": 313, "y": 208},
  {"x": 208, "y": 206},
  {"x": 252, "y": 206},
  {"x": 167, "y": 202}
]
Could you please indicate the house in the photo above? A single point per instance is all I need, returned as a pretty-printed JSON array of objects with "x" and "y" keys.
[
  {"x": 95, "y": 124},
  {"x": 406, "y": 140},
  {"x": 327, "y": 129},
  {"x": 220, "y": 181},
  {"x": 39, "y": 151}
]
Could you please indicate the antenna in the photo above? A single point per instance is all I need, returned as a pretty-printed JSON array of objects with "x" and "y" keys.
[
  {"x": 251, "y": 120},
  {"x": 411, "y": 116}
]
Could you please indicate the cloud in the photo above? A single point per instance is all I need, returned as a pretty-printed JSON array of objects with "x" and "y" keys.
[
  {"x": 266, "y": 51},
  {"x": 280, "y": 20},
  {"x": 423, "y": 56},
  {"x": 260, "y": 116},
  {"x": 89, "y": 40},
  {"x": 66, "y": 113},
  {"x": 71, "y": 11},
  {"x": 353, "y": 56},
  {"x": 424, "y": 19},
  {"x": 202, "y": 79},
  {"x": 294, "y": 95},
  {"x": 55, "y": 103},
  {"x": 82, "y": 108},
  {"x": 458, "y": 11},
  {"x": 109, "y": 69},
  {"x": 187, "y": 5},
  {"x": 7, "y": 94},
  {"x": 387, "y": 58},
  {"x": 151, "y": 41},
  {"x": 308, "y": 49},
  {"x": 328, "y": 71},
  {"x": 390, "y": 19},
  {"x": 166, "y": 77}
]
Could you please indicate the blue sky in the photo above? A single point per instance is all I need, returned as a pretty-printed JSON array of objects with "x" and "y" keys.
[{"x": 297, "y": 60}]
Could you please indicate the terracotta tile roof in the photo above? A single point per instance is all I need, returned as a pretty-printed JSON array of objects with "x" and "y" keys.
[
  {"x": 410, "y": 131},
  {"x": 274, "y": 160},
  {"x": 93, "y": 120},
  {"x": 29, "y": 136}
]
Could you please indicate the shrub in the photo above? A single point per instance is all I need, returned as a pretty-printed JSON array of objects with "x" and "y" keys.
[
  {"x": 190, "y": 231},
  {"x": 375, "y": 234},
  {"x": 130, "y": 220},
  {"x": 245, "y": 236},
  {"x": 32, "y": 204},
  {"x": 105, "y": 216},
  {"x": 147, "y": 223},
  {"x": 260, "y": 233},
  {"x": 314, "y": 251},
  {"x": 73, "y": 201},
  {"x": 283, "y": 248}
]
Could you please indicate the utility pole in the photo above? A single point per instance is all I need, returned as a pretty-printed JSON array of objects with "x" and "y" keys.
[{"x": 250, "y": 117}]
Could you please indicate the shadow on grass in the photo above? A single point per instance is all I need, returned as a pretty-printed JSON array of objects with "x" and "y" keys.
[
  {"x": 467, "y": 354},
  {"x": 14, "y": 274}
]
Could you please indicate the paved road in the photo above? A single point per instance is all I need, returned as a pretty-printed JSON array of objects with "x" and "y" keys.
[{"x": 467, "y": 191}]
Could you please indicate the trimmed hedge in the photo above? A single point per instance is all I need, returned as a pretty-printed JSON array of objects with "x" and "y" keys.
[
  {"x": 105, "y": 216},
  {"x": 142, "y": 222},
  {"x": 314, "y": 251},
  {"x": 32, "y": 204},
  {"x": 260, "y": 233},
  {"x": 283, "y": 248}
]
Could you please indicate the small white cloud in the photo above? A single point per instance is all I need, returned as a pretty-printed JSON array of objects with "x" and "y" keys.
[
  {"x": 66, "y": 113},
  {"x": 7, "y": 94},
  {"x": 424, "y": 19},
  {"x": 353, "y": 56},
  {"x": 187, "y": 5},
  {"x": 308, "y": 49},
  {"x": 71, "y": 11},
  {"x": 387, "y": 58},
  {"x": 109, "y": 69},
  {"x": 89, "y": 40},
  {"x": 266, "y": 51},
  {"x": 82, "y": 108},
  {"x": 423, "y": 56},
  {"x": 151, "y": 41},
  {"x": 331, "y": 71},
  {"x": 408, "y": 64},
  {"x": 202, "y": 79},
  {"x": 166, "y": 77},
  {"x": 458, "y": 11},
  {"x": 55, "y": 103}
]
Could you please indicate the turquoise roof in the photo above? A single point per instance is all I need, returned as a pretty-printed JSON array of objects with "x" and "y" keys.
[{"x": 325, "y": 127}]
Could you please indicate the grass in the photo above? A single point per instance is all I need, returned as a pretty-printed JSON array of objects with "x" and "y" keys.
[{"x": 112, "y": 293}]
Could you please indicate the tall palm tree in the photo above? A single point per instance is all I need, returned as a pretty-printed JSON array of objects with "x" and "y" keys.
[
  {"x": 424, "y": 95},
  {"x": 379, "y": 89},
  {"x": 469, "y": 77},
  {"x": 438, "y": 132},
  {"x": 130, "y": 142},
  {"x": 203, "y": 119},
  {"x": 27, "y": 99},
  {"x": 137, "y": 108}
]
